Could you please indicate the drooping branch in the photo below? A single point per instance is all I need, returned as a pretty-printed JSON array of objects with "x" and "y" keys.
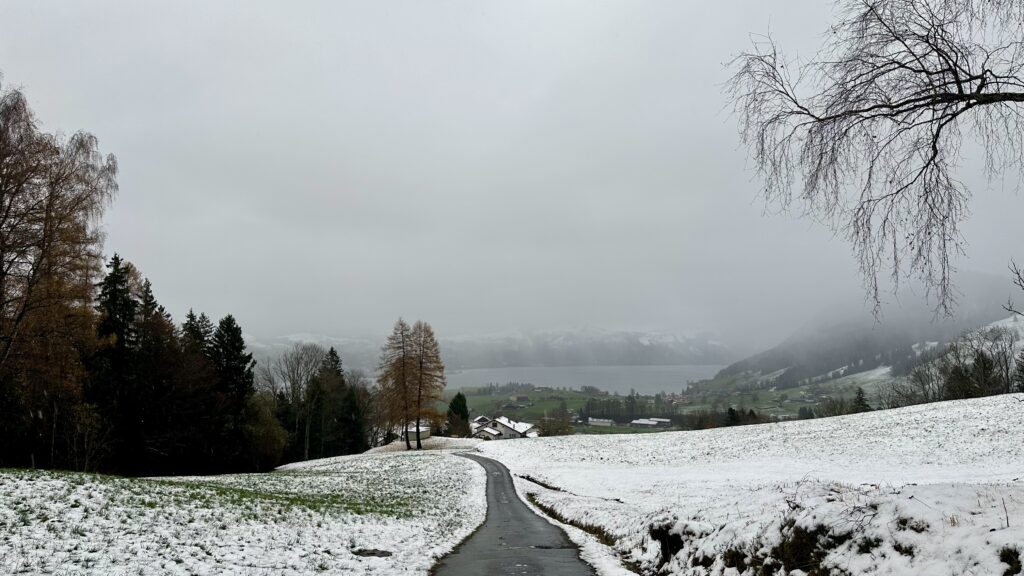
[{"x": 868, "y": 135}]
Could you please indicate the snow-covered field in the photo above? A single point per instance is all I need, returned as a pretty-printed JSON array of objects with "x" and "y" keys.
[
  {"x": 934, "y": 489},
  {"x": 331, "y": 516},
  {"x": 432, "y": 443}
]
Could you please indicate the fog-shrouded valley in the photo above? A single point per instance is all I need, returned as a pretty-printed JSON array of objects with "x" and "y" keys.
[{"x": 451, "y": 288}]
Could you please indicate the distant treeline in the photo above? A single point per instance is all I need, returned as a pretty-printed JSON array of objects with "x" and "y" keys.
[{"x": 625, "y": 409}]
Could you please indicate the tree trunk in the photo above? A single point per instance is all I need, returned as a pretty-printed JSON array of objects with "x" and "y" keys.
[
  {"x": 305, "y": 454},
  {"x": 419, "y": 403},
  {"x": 323, "y": 417}
]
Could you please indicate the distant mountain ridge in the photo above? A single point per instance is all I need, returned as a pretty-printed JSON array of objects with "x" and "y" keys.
[{"x": 586, "y": 347}]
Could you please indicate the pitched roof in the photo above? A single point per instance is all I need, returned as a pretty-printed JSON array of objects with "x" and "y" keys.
[{"x": 520, "y": 427}]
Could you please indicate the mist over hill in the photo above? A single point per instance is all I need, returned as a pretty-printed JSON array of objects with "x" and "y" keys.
[
  {"x": 585, "y": 347},
  {"x": 850, "y": 343}
]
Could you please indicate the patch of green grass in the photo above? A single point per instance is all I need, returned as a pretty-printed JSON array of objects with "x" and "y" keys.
[{"x": 250, "y": 500}]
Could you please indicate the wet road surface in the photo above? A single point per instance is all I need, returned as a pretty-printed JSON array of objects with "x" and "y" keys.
[{"x": 513, "y": 540}]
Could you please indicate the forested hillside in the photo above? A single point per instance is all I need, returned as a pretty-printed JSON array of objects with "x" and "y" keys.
[{"x": 840, "y": 347}]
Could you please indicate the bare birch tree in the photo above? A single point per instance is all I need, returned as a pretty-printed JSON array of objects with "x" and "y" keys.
[
  {"x": 53, "y": 191},
  {"x": 868, "y": 135}
]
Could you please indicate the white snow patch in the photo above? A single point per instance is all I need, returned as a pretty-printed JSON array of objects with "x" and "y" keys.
[
  {"x": 930, "y": 481},
  {"x": 312, "y": 519}
]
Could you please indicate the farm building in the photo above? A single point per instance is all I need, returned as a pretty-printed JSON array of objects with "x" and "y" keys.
[
  {"x": 502, "y": 428},
  {"x": 644, "y": 423}
]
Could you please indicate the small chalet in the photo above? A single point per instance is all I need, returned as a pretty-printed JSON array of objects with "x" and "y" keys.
[{"x": 488, "y": 433}]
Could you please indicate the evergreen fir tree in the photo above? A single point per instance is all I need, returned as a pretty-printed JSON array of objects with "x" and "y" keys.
[
  {"x": 352, "y": 423},
  {"x": 113, "y": 384},
  {"x": 558, "y": 423},
  {"x": 327, "y": 395},
  {"x": 116, "y": 306},
  {"x": 860, "y": 402},
  {"x": 157, "y": 367},
  {"x": 234, "y": 369},
  {"x": 1018, "y": 373},
  {"x": 197, "y": 332},
  {"x": 332, "y": 364},
  {"x": 458, "y": 417},
  {"x": 732, "y": 417},
  {"x": 233, "y": 364}
]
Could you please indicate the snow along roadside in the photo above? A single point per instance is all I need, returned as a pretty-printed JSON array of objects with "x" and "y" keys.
[
  {"x": 603, "y": 558},
  {"x": 934, "y": 489}
]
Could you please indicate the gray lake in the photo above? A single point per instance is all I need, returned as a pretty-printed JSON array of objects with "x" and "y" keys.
[{"x": 621, "y": 379}]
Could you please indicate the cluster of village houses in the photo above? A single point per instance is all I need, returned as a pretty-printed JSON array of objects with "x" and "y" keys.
[
  {"x": 638, "y": 423},
  {"x": 501, "y": 428}
]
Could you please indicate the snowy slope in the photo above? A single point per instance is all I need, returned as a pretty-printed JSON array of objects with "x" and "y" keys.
[
  {"x": 919, "y": 490},
  {"x": 313, "y": 519}
]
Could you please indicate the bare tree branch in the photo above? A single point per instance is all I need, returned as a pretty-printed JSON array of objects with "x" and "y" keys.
[{"x": 867, "y": 136}]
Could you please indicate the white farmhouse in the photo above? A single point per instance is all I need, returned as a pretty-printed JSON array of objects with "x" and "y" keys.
[
  {"x": 502, "y": 428},
  {"x": 512, "y": 429}
]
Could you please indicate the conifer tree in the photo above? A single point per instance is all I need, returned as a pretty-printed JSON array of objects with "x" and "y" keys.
[
  {"x": 428, "y": 375},
  {"x": 860, "y": 402},
  {"x": 396, "y": 368},
  {"x": 157, "y": 363},
  {"x": 197, "y": 332},
  {"x": 116, "y": 306},
  {"x": 235, "y": 380},
  {"x": 352, "y": 423},
  {"x": 113, "y": 383},
  {"x": 732, "y": 417},
  {"x": 233, "y": 364},
  {"x": 327, "y": 398},
  {"x": 458, "y": 417},
  {"x": 1018, "y": 373},
  {"x": 558, "y": 423}
]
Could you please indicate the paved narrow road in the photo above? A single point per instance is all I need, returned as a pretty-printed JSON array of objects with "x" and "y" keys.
[{"x": 513, "y": 540}]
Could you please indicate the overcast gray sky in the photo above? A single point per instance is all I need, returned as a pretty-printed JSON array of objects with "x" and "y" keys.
[{"x": 325, "y": 167}]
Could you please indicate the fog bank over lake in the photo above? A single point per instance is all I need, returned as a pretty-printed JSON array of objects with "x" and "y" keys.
[{"x": 621, "y": 379}]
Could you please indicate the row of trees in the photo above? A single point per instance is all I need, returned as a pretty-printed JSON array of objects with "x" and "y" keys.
[
  {"x": 324, "y": 409},
  {"x": 981, "y": 363},
  {"x": 151, "y": 397},
  {"x": 124, "y": 389},
  {"x": 96, "y": 375},
  {"x": 628, "y": 408}
]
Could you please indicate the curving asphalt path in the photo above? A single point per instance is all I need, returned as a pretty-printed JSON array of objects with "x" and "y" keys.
[{"x": 513, "y": 540}]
